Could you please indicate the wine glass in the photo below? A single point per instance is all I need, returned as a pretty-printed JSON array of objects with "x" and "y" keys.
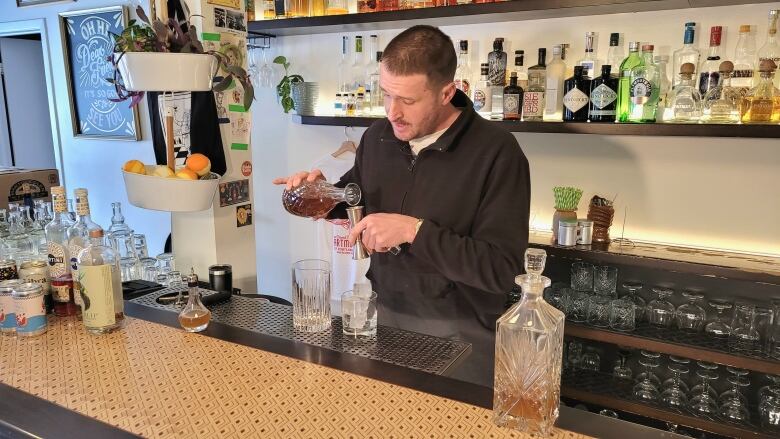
[
  {"x": 265, "y": 73},
  {"x": 632, "y": 294},
  {"x": 253, "y": 70},
  {"x": 702, "y": 399},
  {"x": 731, "y": 393},
  {"x": 660, "y": 311},
  {"x": 671, "y": 381},
  {"x": 621, "y": 369},
  {"x": 769, "y": 404},
  {"x": 675, "y": 395},
  {"x": 719, "y": 327},
  {"x": 647, "y": 388},
  {"x": 690, "y": 316},
  {"x": 711, "y": 369},
  {"x": 734, "y": 407}
]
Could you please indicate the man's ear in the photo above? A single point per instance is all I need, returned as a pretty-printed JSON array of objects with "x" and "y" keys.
[{"x": 447, "y": 93}]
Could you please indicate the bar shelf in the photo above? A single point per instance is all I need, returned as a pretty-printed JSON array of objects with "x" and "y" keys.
[
  {"x": 605, "y": 390},
  {"x": 605, "y": 129},
  {"x": 515, "y": 10}
]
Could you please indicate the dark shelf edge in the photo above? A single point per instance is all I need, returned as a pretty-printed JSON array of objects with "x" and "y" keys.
[
  {"x": 608, "y": 129},
  {"x": 516, "y": 10},
  {"x": 688, "y": 351}
]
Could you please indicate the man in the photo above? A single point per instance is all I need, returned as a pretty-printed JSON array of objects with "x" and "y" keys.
[{"x": 448, "y": 187}]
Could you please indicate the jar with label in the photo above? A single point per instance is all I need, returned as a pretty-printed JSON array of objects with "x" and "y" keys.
[
  {"x": 7, "y": 308},
  {"x": 8, "y": 269},
  {"x": 29, "y": 309},
  {"x": 37, "y": 272}
]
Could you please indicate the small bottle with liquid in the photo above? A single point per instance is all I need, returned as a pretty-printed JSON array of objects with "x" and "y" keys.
[
  {"x": 338, "y": 105},
  {"x": 351, "y": 101},
  {"x": 762, "y": 103},
  {"x": 195, "y": 316}
]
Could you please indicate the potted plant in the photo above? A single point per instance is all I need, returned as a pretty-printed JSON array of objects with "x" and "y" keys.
[
  {"x": 284, "y": 88},
  {"x": 157, "y": 56}
]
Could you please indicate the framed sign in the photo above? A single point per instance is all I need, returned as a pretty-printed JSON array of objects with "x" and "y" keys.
[
  {"x": 88, "y": 42},
  {"x": 37, "y": 2}
]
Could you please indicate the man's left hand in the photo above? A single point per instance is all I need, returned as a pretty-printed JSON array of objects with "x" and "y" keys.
[{"x": 382, "y": 231}]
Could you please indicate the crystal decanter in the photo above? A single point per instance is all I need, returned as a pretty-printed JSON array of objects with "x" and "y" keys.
[{"x": 529, "y": 348}]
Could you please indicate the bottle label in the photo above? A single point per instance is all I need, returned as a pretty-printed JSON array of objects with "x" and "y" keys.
[
  {"x": 588, "y": 68},
  {"x": 511, "y": 105},
  {"x": 74, "y": 250},
  {"x": 602, "y": 96},
  {"x": 684, "y": 105},
  {"x": 97, "y": 289},
  {"x": 30, "y": 313},
  {"x": 745, "y": 73},
  {"x": 575, "y": 99},
  {"x": 463, "y": 85},
  {"x": 59, "y": 203},
  {"x": 82, "y": 206},
  {"x": 61, "y": 293},
  {"x": 641, "y": 89},
  {"x": 7, "y": 311},
  {"x": 533, "y": 103},
  {"x": 57, "y": 260},
  {"x": 479, "y": 99}
]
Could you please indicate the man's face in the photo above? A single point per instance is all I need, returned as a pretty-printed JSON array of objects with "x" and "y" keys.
[{"x": 412, "y": 105}]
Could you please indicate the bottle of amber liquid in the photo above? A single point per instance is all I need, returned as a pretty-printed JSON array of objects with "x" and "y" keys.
[
  {"x": 513, "y": 99},
  {"x": 761, "y": 103},
  {"x": 195, "y": 316},
  {"x": 59, "y": 260}
]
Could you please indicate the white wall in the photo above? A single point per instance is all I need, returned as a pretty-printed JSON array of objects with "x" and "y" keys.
[
  {"x": 94, "y": 164},
  {"x": 706, "y": 192}
]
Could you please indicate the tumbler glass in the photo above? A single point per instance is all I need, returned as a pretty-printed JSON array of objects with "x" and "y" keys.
[
  {"x": 582, "y": 276},
  {"x": 598, "y": 311},
  {"x": 166, "y": 262},
  {"x": 769, "y": 404},
  {"x": 734, "y": 407},
  {"x": 578, "y": 305},
  {"x": 358, "y": 314},
  {"x": 763, "y": 325},
  {"x": 605, "y": 281},
  {"x": 622, "y": 315},
  {"x": 311, "y": 295}
]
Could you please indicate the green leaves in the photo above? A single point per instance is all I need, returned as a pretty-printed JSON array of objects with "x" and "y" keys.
[{"x": 284, "y": 88}]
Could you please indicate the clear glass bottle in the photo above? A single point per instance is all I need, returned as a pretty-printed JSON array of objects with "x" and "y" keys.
[
  {"x": 71, "y": 211},
  {"x": 351, "y": 105},
  {"x": 588, "y": 62},
  {"x": 118, "y": 220},
  {"x": 624, "y": 84},
  {"x": 3, "y": 223},
  {"x": 615, "y": 55},
  {"x": 645, "y": 88},
  {"x": 26, "y": 218},
  {"x": 555, "y": 75},
  {"x": 19, "y": 245},
  {"x": 497, "y": 64},
  {"x": 576, "y": 92},
  {"x": 708, "y": 72},
  {"x": 529, "y": 350},
  {"x": 344, "y": 66},
  {"x": 360, "y": 104},
  {"x": 688, "y": 53},
  {"x": 79, "y": 238},
  {"x": 721, "y": 103},
  {"x": 685, "y": 100},
  {"x": 771, "y": 48},
  {"x": 744, "y": 60},
  {"x": 59, "y": 267},
  {"x": 194, "y": 317},
  {"x": 482, "y": 95},
  {"x": 37, "y": 231},
  {"x": 603, "y": 96},
  {"x": 664, "y": 87},
  {"x": 522, "y": 75},
  {"x": 760, "y": 105},
  {"x": 338, "y": 105},
  {"x": 533, "y": 97},
  {"x": 357, "y": 74},
  {"x": 463, "y": 71},
  {"x": 513, "y": 99},
  {"x": 101, "y": 286},
  {"x": 377, "y": 97}
]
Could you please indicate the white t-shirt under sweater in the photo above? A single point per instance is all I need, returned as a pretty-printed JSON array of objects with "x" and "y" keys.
[
  {"x": 332, "y": 236},
  {"x": 425, "y": 141}
]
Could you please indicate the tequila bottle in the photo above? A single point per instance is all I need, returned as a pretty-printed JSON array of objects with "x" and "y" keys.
[
  {"x": 101, "y": 286},
  {"x": 575, "y": 99},
  {"x": 513, "y": 99},
  {"x": 708, "y": 73},
  {"x": 744, "y": 60},
  {"x": 529, "y": 348},
  {"x": 624, "y": 84},
  {"x": 463, "y": 71},
  {"x": 555, "y": 75},
  {"x": 79, "y": 238},
  {"x": 645, "y": 88},
  {"x": 761, "y": 105},
  {"x": 482, "y": 95},
  {"x": 771, "y": 48},
  {"x": 603, "y": 96},
  {"x": 721, "y": 103},
  {"x": 688, "y": 53},
  {"x": 685, "y": 100}
]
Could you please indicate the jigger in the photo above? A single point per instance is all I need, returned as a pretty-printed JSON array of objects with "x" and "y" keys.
[{"x": 355, "y": 214}]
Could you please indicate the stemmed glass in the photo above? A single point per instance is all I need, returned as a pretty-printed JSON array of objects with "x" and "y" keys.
[
  {"x": 621, "y": 369},
  {"x": 702, "y": 400},
  {"x": 690, "y": 316},
  {"x": 769, "y": 404},
  {"x": 253, "y": 70},
  {"x": 711, "y": 369},
  {"x": 632, "y": 295},
  {"x": 675, "y": 395},
  {"x": 265, "y": 73},
  {"x": 734, "y": 406},
  {"x": 660, "y": 311},
  {"x": 734, "y": 373},
  {"x": 647, "y": 387},
  {"x": 719, "y": 327},
  {"x": 673, "y": 380},
  {"x": 574, "y": 354}
]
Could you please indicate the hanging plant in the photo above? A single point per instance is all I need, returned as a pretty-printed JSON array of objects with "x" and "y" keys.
[{"x": 284, "y": 88}]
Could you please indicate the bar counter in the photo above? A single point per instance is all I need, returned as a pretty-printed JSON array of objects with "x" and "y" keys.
[{"x": 154, "y": 380}]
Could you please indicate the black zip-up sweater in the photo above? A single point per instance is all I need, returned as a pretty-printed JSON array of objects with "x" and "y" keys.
[{"x": 472, "y": 189}]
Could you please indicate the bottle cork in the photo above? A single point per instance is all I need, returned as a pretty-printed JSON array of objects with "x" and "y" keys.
[
  {"x": 744, "y": 28},
  {"x": 687, "y": 69},
  {"x": 726, "y": 67},
  {"x": 767, "y": 66},
  {"x": 648, "y": 48}
]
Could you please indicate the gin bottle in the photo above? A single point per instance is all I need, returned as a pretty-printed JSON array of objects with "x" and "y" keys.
[
  {"x": 645, "y": 88},
  {"x": 721, "y": 103},
  {"x": 497, "y": 64},
  {"x": 463, "y": 71},
  {"x": 79, "y": 239},
  {"x": 529, "y": 348},
  {"x": 685, "y": 100},
  {"x": 481, "y": 95},
  {"x": 513, "y": 99},
  {"x": 624, "y": 84},
  {"x": 576, "y": 96},
  {"x": 615, "y": 54},
  {"x": 603, "y": 96},
  {"x": 533, "y": 97}
]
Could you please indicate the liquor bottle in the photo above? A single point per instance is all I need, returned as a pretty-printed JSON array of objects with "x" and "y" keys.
[
  {"x": 377, "y": 97},
  {"x": 101, "y": 286},
  {"x": 497, "y": 100},
  {"x": 645, "y": 88},
  {"x": 351, "y": 103},
  {"x": 533, "y": 97},
  {"x": 344, "y": 66},
  {"x": 78, "y": 238},
  {"x": 744, "y": 60},
  {"x": 575, "y": 96},
  {"x": 554, "y": 74},
  {"x": 708, "y": 72},
  {"x": 687, "y": 53},
  {"x": 522, "y": 75},
  {"x": 118, "y": 224},
  {"x": 59, "y": 267},
  {"x": 513, "y": 99},
  {"x": 358, "y": 69},
  {"x": 588, "y": 62},
  {"x": 664, "y": 87},
  {"x": 360, "y": 106},
  {"x": 721, "y": 103},
  {"x": 603, "y": 96},
  {"x": 529, "y": 350},
  {"x": 482, "y": 96},
  {"x": 497, "y": 64},
  {"x": 338, "y": 105},
  {"x": 463, "y": 71},
  {"x": 771, "y": 48},
  {"x": 759, "y": 106},
  {"x": 624, "y": 84},
  {"x": 685, "y": 100},
  {"x": 615, "y": 54}
]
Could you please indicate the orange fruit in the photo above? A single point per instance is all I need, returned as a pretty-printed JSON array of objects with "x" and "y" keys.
[
  {"x": 186, "y": 174},
  {"x": 199, "y": 164},
  {"x": 134, "y": 166},
  {"x": 162, "y": 171}
]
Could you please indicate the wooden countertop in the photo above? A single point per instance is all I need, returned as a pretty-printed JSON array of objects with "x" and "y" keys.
[{"x": 158, "y": 381}]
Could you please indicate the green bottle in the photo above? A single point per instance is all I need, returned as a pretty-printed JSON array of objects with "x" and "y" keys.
[
  {"x": 644, "y": 91},
  {"x": 624, "y": 85}
]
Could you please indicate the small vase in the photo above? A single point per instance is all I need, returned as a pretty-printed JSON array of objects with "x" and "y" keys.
[
  {"x": 304, "y": 96},
  {"x": 558, "y": 216}
]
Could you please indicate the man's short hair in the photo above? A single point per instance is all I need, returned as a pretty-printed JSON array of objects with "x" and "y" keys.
[{"x": 423, "y": 50}]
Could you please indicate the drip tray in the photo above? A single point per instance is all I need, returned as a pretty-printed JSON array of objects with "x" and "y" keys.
[{"x": 403, "y": 348}]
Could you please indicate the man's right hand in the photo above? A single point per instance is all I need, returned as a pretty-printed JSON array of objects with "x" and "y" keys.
[{"x": 297, "y": 178}]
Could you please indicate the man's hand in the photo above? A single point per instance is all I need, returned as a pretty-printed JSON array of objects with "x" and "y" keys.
[
  {"x": 297, "y": 178},
  {"x": 381, "y": 231}
]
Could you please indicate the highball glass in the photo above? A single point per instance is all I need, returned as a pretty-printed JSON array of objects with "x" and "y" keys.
[{"x": 582, "y": 276}]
